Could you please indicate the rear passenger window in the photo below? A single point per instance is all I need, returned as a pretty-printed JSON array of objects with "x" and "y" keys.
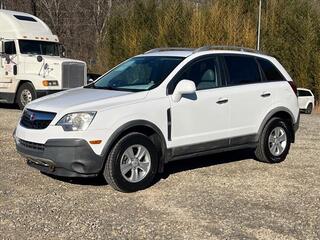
[
  {"x": 270, "y": 71},
  {"x": 242, "y": 70}
]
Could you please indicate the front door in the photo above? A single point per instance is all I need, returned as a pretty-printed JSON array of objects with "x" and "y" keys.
[
  {"x": 7, "y": 64},
  {"x": 200, "y": 121}
]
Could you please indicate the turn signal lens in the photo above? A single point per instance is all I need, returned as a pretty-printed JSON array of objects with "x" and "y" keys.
[
  {"x": 95, "y": 141},
  {"x": 48, "y": 83}
]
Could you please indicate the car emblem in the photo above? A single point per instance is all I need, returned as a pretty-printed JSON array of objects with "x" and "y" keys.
[{"x": 32, "y": 117}]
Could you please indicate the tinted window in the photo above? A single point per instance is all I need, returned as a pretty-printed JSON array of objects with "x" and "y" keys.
[
  {"x": 302, "y": 93},
  {"x": 204, "y": 73},
  {"x": 242, "y": 70},
  {"x": 39, "y": 47},
  {"x": 25, "y": 18},
  {"x": 10, "y": 48},
  {"x": 270, "y": 71}
]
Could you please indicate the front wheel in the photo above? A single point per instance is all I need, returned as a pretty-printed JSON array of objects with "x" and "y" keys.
[
  {"x": 132, "y": 163},
  {"x": 274, "y": 142},
  {"x": 25, "y": 95}
]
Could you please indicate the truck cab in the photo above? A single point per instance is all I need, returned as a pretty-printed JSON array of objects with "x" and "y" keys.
[{"x": 32, "y": 62}]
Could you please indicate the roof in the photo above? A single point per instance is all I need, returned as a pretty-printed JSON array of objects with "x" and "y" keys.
[{"x": 19, "y": 25}]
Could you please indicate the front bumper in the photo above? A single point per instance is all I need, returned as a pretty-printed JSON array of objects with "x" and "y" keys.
[
  {"x": 62, "y": 157},
  {"x": 42, "y": 93}
]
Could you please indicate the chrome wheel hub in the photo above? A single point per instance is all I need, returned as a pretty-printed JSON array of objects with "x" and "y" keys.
[
  {"x": 135, "y": 163},
  {"x": 277, "y": 141},
  {"x": 26, "y": 97}
]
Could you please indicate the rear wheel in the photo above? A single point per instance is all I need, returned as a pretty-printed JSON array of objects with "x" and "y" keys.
[
  {"x": 25, "y": 94},
  {"x": 274, "y": 142},
  {"x": 309, "y": 109},
  {"x": 132, "y": 163}
]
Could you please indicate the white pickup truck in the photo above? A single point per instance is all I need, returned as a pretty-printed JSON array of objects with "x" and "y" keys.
[{"x": 32, "y": 62}]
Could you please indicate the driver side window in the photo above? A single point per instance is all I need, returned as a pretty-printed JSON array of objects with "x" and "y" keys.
[
  {"x": 204, "y": 73},
  {"x": 10, "y": 48}
]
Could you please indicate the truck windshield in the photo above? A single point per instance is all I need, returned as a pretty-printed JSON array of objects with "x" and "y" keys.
[
  {"x": 138, "y": 74},
  {"x": 39, "y": 47}
]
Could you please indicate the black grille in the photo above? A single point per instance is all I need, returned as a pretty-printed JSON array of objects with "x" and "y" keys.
[
  {"x": 36, "y": 119},
  {"x": 31, "y": 145},
  {"x": 72, "y": 74}
]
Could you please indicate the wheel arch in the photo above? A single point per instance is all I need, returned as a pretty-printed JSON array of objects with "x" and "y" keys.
[
  {"x": 283, "y": 113},
  {"x": 20, "y": 84},
  {"x": 144, "y": 127}
]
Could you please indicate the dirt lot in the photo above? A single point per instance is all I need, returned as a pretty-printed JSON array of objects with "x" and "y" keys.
[{"x": 224, "y": 196}]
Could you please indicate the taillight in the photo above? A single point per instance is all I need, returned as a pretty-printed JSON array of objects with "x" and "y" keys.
[{"x": 294, "y": 87}]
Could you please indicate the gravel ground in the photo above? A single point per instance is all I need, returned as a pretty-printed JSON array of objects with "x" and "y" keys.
[{"x": 223, "y": 196}]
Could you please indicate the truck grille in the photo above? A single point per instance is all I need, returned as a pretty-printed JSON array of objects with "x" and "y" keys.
[
  {"x": 72, "y": 74},
  {"x": 35, "y": 119}
]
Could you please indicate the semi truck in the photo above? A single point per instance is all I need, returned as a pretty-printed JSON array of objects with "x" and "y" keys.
[{"x": 32, "y": 60}]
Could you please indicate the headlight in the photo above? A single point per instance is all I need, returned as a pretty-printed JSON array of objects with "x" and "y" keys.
[{"x": 76, "y": 121}]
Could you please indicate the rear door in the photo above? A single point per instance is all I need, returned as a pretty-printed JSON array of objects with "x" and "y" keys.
[{"x": 250, "y": 97}]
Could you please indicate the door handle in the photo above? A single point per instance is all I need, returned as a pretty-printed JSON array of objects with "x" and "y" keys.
[
  {"x": 222, "y": 100},
  {"x": 265, "y": 94}
]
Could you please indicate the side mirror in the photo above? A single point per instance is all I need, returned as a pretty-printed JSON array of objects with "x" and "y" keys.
[
  {"x": 183, "y": 87},
  {"x": 39, "y": 58},
  {"x": 2, "y": 49}
]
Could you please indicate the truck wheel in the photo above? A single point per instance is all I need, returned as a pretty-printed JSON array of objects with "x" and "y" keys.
[
  {"x": 25, "y": 94},
  {"x": 132, "y": 163},
  {"x": 309, "y": 109},
  {"x": 274, "y": 142}
]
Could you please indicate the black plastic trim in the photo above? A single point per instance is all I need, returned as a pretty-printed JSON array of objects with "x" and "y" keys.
[
  {"x": 127, "y": 126},
  {"x": 7, "y": 97},
  {"x": 278, "y": 110},
  {"x": 169, "y": 123},
  {"x": 222, "y": 145},
  {"x": 63, "y": 157}
]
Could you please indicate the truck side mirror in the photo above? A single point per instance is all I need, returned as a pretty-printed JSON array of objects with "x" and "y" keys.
[
  {"x": 8, "y": 60},
  {"x": 39, "y": 58},
  {"x": 2, "y": 49},
  {"x": 63, "y": 51}
]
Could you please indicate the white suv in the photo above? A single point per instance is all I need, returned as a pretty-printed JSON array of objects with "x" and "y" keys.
[
  {"x": 164, "y": 105},
  {"x": 305, "y": 100}
]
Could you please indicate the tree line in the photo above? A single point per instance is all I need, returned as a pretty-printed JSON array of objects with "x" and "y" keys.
[{"x": 105, "y": 32}]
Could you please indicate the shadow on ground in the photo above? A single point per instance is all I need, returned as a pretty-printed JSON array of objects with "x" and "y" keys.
[
  {"x": 173, "y": 167},
  {"x": 9, "y": 106}
]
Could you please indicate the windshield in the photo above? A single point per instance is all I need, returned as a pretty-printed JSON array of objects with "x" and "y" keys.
[
  {"x": 39, "y": 47},
  {"x": 138, "y": 74}
]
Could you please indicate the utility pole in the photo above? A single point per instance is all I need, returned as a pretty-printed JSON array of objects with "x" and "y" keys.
[{"x": 259, "y": 26}]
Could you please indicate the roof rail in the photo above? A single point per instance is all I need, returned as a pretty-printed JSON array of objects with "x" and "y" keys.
[
  {"x": 169, "y": 49},
  {"x": 221, "y": 47}
]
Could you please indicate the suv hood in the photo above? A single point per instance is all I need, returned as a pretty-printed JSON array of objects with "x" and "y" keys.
[{"x": 84, "y": 99}]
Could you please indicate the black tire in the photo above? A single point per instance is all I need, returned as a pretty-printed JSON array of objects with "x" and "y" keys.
[
  {"x": 25, "y": 87},
  {"x": 309, "y": 109},
  {"x": 263, "y": 152},
  {"x": 112, "y": 172}
]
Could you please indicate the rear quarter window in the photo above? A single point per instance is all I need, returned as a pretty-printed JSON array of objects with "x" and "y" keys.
[{"x": 271, "y": 73}]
